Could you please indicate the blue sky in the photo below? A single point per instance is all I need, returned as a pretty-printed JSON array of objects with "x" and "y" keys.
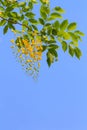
[{"x": 58, "y": 100}]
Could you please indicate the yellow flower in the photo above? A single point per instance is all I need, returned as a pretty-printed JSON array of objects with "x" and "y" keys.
[
  {"x": 23, "y": 31},
  {"x": 39, "y": 53},
  {"x": 0, "y": 13},
  {"x": 33, "y": 42},
  {"x": 30, "y": 49},
  {"x": 39, "y": 58},
  {"x": 18, "y": 44},
  {"x": 12, "y": 40},
  {"x": 41, "y": 48},
  {"x": 32, "y": 55},
  {"x": 25, "y": 41},
  {"x": 12, "y": 46},
  {"x": 19, "y": 50},
  {"x": 14, "y": 31},
  {"x": 34, "y": 33},
  {"x": 26, "y": 52},
  {"x": 27, "y": 61},
  {"x": 27, "y": 45},
  {"x": 20, "y": 56},
  {"x": 21, "y": 45},
  {"x": 38, "y": 64},
  {"x": 23, "y": 50}
]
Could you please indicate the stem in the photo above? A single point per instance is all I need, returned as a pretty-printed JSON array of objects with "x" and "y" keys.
[{"x": 13, "y": 22}]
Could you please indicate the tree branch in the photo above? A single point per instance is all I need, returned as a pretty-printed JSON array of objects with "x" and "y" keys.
[{"x": 14, "y": 22}]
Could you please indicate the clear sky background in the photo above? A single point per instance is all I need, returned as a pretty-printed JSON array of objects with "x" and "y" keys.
[{"x": 58, "y": 100}]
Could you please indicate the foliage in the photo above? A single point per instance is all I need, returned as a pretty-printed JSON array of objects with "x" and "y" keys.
[{"x": 36, "y": 35}]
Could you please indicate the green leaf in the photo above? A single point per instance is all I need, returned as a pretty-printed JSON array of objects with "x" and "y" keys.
[
  {"x": 53, "y": 52},
  {"x": 79, "y": 38},
  {"x": 79, "y": 33},
  {"x": 44, "y": 2},
  {"x": 60, "y": 33},
  {"x": 54, "y": 31},
  {"x": 51, "y": 18},
  {"x": 5, "y": 29},
  {"x": 51, "y": 41},
  {"x": 59, "y": 39},
  {"x": 64, "y": 45},
  {"x": 59, "y": 9},
  {"x": 47, "y": 24},
  {"x": 22, "y": 17},
  {"x": 43, "y": 32},
  {"x": 72, "y": 26},
  {"x": 52, "y": 37},
  {"x": 22, "y": 4},
  {"x": 34, "y": 27},
  {"x": 71, "y": 50},
  {"x": 34, "y": 1},
  {"x": 66, "y": 36},
  {"x": 64, "y": 25},
  {"x": 25, "y": 22},
  {"x": 30, "y": 4},
  {"x": 8, "y": 9},
  {"x": 50, "y": 58},
  {"x": 2, "y": 22},
  {"x": 56, "y": 24},
  {"x": 74, "y": 37},
  {"x": 45, "y": 9},
  {"x": 49, "y": 30},
  {"x": 43, "y": 15},
  {"x": 74, "y": 44},
  {"x": 44, "y": 48},
  {"x": 25, "y": 9},
  {"x": 13, "y": 14},
  {"x": 49, "y": 62},
  {"x": 11, "y": 26},
  {"x": 1, "y": 8},
  {"x": 55, "y": 15},
  {"x": 41, "y": 21},
  {"x": 78, "y": 53},
  {"x": 53, "y": 46},
  {"x": 30, "y": 15},
  {"x": 34, "y": 21}
]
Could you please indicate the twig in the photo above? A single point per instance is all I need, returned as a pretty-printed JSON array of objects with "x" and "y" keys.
[{"x": 14, "y": 22}]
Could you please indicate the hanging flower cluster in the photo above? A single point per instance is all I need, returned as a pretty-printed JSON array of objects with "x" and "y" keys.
[{"x": 29, "y": 53}]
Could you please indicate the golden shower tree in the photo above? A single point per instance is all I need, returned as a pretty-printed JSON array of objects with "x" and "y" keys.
[{"x": 49, "y": 32}]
